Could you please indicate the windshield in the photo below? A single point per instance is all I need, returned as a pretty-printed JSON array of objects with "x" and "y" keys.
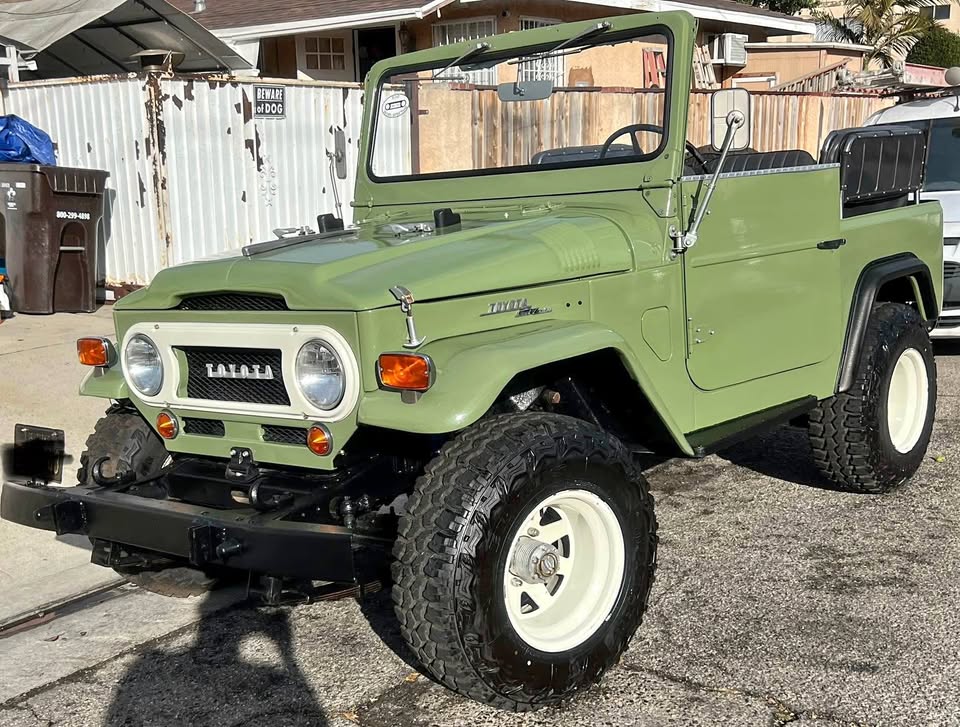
[
  {"x": 943, "y": 153},
  {"x": 586, "y": 101}
]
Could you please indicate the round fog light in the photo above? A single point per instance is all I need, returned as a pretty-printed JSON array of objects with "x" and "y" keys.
[
  {"x": 167, "y": 425},
  {"x": 319, "y": 440}
]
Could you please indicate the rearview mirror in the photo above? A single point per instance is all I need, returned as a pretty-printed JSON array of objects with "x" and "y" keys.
[
  {"x": 722, "y": 102},
  {"x": 340, "y": 152},
  {"x": 525, "y": 90}
]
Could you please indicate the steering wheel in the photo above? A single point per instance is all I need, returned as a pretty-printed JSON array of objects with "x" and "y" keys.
[{"x": 632, "y": 129}]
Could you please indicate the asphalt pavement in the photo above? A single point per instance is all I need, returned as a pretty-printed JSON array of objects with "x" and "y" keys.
[{"x": 777, "y": 601}]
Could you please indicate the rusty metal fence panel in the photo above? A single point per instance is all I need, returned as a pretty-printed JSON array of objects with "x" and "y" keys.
[
  {"x": 193, "y": 173},
  {"x": 233, "y": 179},
  {"x": 101, "y": 123}
]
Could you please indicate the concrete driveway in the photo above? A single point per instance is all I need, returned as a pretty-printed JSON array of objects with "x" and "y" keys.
[
  {"x": 777, "y": 602},
  {"x": 39, "y": 380}
]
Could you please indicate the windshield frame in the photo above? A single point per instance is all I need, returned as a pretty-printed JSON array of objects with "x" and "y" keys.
[{"x": 609, "y": 38}]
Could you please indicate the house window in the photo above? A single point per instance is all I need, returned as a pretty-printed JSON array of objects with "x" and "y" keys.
[
  {"x": 936, "y": 12},
  {"x": 324, "y": 54},
  {"x": 455, "y": 31},
  {"x": 543, "y": 69}
]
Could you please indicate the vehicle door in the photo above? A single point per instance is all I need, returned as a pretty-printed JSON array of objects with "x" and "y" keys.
[{"x": 762, "y": 282}]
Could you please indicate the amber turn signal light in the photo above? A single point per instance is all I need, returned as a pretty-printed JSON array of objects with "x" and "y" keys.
[
  {"x": 405, "y": 371},
  {"x": 95, "y": 351},
  {"x": 319, "y": 440},
  {"x": 167, "y": 425}
]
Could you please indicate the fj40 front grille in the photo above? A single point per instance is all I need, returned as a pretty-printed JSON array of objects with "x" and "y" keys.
[
  {"x": 284, "y": 435},
  {"x": 249, "y": 375},
  {"x": 204, "y": 427}
]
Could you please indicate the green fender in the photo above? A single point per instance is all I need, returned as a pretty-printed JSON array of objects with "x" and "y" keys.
[
  {"x": 105, "y": 383},
  {"x": 471, "y": 371}
]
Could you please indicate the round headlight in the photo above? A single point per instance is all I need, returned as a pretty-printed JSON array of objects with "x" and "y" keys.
[
  {"x": 144, "y": 367},
  {"x": 320, "y": 375}
]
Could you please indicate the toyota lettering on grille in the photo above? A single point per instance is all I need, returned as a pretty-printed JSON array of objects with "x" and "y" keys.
[{"x": 232, "y": 371}]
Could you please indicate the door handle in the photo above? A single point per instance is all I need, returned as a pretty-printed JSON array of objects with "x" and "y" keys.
[{"x": 831, "y": 244}]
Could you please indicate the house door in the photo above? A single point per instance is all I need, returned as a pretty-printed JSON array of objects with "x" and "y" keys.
[
  {"x": 762, "y": 298},
  {"x": 374, "y": 44}
]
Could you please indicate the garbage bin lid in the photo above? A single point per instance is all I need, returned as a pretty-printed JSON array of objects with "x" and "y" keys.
[{"x": 71, "y": 180}]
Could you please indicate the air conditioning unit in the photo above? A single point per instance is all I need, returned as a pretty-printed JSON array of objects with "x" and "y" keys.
[{"x": 729, "y": 49}]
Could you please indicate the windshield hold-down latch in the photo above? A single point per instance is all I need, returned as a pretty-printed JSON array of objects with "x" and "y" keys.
[{"x": 406, "y": 299}]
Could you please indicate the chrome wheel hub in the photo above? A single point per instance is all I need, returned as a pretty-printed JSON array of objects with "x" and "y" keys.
[{"x": 534, "y": 561}]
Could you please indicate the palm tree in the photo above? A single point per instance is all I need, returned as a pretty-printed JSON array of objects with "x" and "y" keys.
[{"x": 890, "y": 27}]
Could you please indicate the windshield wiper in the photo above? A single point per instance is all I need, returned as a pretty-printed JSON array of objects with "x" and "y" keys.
[
  {"x": 552, "y": 52},
  {"x": 479, "y": 48}
]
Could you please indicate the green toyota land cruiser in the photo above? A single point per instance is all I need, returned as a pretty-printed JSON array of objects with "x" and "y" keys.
[{"x": 543, "y": 281}]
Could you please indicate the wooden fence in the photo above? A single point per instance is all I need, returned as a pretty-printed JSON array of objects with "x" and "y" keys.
[{"x": 507, "y": 134}]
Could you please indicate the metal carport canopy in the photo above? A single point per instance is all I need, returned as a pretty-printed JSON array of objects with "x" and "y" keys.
[{"x": 88, "y": 37}]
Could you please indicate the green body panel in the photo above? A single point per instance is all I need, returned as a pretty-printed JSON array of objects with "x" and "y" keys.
[
  {"x": 471, "y": 373},
  {"x": 753, "y": 316},
  {"x": 104, "y": 383},
  {"x": 753, "y": 288},
  {"x": 355, "y": 271}
]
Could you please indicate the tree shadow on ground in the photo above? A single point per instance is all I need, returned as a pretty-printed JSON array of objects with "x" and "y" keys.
[
  {"x": 239, "y": 670},
  {"x": 782, "y": 453}
]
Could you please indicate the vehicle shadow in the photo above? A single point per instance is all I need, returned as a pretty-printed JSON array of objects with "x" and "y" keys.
[
  {"x": 783, "y": 453},
  {"x": 377, "y": 609},
  {"x": 240, "y": 670}
]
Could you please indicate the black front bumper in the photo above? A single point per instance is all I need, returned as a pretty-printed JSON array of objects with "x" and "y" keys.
[{"x": 242, "y": 539}]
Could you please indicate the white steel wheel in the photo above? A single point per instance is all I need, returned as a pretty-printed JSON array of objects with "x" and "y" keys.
[
  {"x": 564, "y": 570},
  {"x": 907, "y": 400}
]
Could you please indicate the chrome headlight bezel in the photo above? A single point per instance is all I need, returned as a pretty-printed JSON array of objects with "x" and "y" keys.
[
  {"x": 322, "y": 370},
  {"x": 135, "y": 378}
]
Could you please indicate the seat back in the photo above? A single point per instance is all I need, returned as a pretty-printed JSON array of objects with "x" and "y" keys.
[
  {"x": 880, "y": 166},
  {"x": 565, "y": 155},
  {"x": 761, "y": 160}
]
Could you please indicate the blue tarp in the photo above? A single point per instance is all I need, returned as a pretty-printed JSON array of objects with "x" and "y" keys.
[{"x": 21, "y": 141}]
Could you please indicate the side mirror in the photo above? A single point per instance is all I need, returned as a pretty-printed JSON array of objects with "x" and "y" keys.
[
  {"x": 340, "y": 152},
  {"x": 525, "y": 90},
  {"x": 722, "y": 103}
]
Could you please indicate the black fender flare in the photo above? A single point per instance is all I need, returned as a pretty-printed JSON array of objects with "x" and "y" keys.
[{"x": 873, "y": 277}]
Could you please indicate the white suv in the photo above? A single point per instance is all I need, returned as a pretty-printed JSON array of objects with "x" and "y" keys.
[{"x": 941, "y": 117}]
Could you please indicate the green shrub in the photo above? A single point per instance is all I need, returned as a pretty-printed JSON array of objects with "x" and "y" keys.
[{"x": 939, "y": 47}]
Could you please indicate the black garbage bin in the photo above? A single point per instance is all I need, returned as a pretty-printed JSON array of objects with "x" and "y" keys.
[{"x": 49, "y": 223}]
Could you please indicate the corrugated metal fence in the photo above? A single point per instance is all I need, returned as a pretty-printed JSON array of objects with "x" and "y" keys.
[{"x": 193, "y": 173}]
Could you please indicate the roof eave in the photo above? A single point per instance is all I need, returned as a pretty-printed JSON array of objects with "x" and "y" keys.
[
  {"x": 341, "y": 22},
  {"x": 771, "y": 24}
]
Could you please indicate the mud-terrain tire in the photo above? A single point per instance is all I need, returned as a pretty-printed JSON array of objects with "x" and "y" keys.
[
  {"x": 873, "y": 437},
  {"x": 491, "y": 491},
  {"x": 131, "y": 444}
]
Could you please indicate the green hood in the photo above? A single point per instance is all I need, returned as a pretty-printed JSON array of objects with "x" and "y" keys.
[{"x": 354, "y": 271}]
